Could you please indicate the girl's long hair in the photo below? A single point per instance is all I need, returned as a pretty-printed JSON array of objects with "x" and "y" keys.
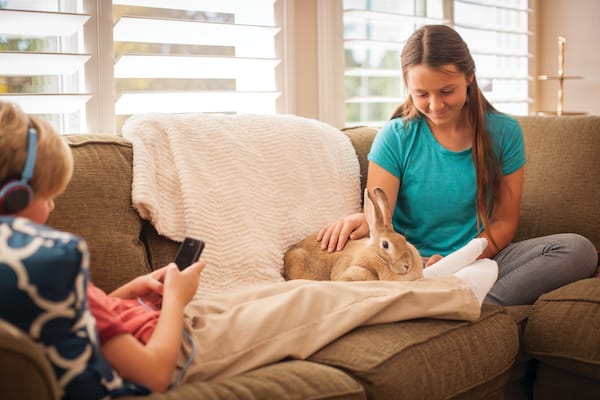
[{"x": 437, "y": 46}]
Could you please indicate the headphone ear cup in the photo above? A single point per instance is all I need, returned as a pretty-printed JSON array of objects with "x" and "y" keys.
[{"x": 15, "y": 196}]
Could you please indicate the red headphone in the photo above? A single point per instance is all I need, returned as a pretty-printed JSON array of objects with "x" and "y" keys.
[{"x": 15, "y": 195}]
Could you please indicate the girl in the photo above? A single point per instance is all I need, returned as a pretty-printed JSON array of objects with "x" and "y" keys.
[{"x": 453, "y": 168}]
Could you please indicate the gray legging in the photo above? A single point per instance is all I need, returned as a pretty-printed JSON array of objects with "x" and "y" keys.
[{"x": 532, "y": 267}]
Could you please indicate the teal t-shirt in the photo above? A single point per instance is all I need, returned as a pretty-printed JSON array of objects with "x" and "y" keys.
[{"x": 436, "y": 207}]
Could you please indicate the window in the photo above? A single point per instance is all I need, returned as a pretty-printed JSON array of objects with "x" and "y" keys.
[
  {"x": 56, "y": 58},
  {"x": 42, "y": 62},
  {"x": 194, "y": 55},
  {"x": 87, "y": 65},
  {"x": 500, "y": 49},
  {"x": 375, "y": 32}
]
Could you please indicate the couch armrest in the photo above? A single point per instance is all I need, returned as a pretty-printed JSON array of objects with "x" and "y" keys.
[
  {"x": 562, "y": 334},
  {"x": 25, "y": 373}
]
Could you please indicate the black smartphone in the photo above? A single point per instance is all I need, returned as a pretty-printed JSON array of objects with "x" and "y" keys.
[{"x": 189, "y": 252}]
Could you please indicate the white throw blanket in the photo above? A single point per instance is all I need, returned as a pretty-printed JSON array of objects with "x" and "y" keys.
[{"x": 248, "y": 185}]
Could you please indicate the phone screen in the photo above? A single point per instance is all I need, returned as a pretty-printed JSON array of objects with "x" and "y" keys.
[{"x": 189, "y": 252}]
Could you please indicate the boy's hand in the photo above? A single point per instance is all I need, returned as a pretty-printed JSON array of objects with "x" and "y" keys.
[
  {"x": 145, "y": 286},
  {"x": 150, "y": 287},
  {"x": 179, "y": 285}
]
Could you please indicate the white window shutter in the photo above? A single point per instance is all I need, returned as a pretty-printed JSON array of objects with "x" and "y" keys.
[
  {"x": 374, "y": 35},
  {"x": 498, "y": 36},
  {"x": 195, "y": 56},
  {"x": 142, "y": 56},
  {"x": 375, "y": 32},
  {"x": 41, "y": 62}
]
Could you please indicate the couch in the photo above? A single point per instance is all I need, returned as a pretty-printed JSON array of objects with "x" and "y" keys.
[{"x": 548, "y": 350}]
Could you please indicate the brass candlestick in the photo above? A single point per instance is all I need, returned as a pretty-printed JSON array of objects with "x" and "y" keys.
[
  {"x": 561, "y": 81},
  {"x": 561, "y": 74}
]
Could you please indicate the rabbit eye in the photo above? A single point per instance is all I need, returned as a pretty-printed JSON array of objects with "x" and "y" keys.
[{"x": 385, "y": 244}]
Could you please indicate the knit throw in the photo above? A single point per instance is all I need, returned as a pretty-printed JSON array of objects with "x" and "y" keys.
[{"x": 248, "y": 185}]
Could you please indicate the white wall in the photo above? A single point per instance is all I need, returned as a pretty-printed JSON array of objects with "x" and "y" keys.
[{"x": 577, "y": 21}]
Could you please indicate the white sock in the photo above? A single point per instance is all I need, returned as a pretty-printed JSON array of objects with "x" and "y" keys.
[
  {"x": 458, "y": 259},
  {"x": 480, "y": 276}
]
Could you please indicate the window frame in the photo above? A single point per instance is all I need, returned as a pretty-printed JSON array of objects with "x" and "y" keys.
[{"x": 99, "y": 72}]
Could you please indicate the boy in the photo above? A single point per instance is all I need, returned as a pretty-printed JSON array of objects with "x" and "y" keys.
[{"x": 151, "y": 364}]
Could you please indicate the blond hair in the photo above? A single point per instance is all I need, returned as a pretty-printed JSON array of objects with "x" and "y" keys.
[{"x": 53, "y": 162}]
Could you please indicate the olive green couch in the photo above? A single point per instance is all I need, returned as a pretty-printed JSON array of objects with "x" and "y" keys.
[{"x": 550, "y": 350}]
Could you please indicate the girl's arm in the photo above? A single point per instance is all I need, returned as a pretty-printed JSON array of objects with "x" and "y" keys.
[
  {"x": 379, "y": 177},
  {"x": 505, "y": 217},
  {"x": 153, "y": 364}
]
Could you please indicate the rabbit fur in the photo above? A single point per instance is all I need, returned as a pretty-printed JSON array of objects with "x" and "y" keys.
[{"x": 385, "y": 255}]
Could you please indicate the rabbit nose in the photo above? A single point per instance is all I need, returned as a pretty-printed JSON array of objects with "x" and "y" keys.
[{"x": 401, "y": 268}]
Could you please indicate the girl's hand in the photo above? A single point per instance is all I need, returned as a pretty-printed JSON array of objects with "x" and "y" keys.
[
  {"x": 429, "y": 261},
  {"x": 334, "y": 237}
]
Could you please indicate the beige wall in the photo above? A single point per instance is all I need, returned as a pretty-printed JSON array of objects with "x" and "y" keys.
[
  {"x": 577, "y": 21},
  {"x": 306, "y": 68}
]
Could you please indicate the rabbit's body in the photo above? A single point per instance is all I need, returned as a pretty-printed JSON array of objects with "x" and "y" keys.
[{"x": 385, "y": 255}]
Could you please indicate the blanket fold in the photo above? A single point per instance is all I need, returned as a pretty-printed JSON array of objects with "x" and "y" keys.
[{"x": 248, "y": 185}]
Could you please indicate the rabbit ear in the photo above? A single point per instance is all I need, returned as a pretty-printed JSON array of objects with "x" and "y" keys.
[
  {"x": 370, "y": 211},
  {"x": 384, "y": 213}
]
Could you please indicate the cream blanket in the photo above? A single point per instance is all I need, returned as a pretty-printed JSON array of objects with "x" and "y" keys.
[{"x": 248, "y": 185}]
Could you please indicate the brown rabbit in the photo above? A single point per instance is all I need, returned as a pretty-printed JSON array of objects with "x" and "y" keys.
[{"x": 385, "y": 255}]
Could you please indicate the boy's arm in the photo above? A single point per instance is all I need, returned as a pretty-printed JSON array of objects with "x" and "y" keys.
[{"x": 153, "y": 364}]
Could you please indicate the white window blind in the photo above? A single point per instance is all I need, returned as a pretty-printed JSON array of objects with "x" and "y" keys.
[
  {"x": 140, "y": 56},
  {"x": 87, "y": 65},
  {"x": 42, "y": 62},
  {"x": 195, "y": 55},
  {"x": 375, "y": 32}
]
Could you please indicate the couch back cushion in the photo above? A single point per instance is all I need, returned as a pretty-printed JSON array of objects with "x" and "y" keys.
[
  {"x": 97, "y": 206},
  {"x": 562, "y": 188}
]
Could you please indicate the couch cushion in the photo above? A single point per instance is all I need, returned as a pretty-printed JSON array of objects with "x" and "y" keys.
[
  {"x": 429, "y": 359},
  {"x": 19, "y": 357},
  {"x": 97, "y": 206},
  {"x": 563, "y": 329},
  {"x": 43, "y": 281},
  {"x": 291, "y": 380}
]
